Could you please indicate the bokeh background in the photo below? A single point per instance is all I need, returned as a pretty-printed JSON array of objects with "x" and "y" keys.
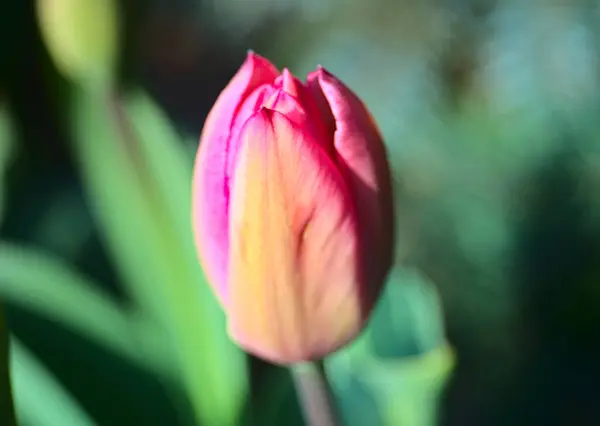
[{"x": 490, "y": 113}]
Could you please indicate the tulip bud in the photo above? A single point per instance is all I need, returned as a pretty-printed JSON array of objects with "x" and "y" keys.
[
  {"x": 82, "y": 37},
  {"x": 292, "y": 211}
]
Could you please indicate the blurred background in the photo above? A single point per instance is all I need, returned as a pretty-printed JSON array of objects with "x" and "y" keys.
[{"x": 490, "y": 114}]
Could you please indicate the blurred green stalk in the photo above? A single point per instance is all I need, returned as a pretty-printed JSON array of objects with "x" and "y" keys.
[
  {"x": 138, "y": 176},
  {"x": 40, "y": 399},
  {"x": 315, "y": 394}
]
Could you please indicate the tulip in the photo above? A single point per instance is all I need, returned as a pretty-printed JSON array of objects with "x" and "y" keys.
[{"x": 292, "y": 211}]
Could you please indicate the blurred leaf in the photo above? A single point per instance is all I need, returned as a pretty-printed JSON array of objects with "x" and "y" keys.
[
  {"x": 138, "y": 175},
  {"x": 395, "y": 370},
  {"x": 82, "y": 38},
  {"x": 119, "y": 198},
  {"x": 223, "y": 365},
  {"x": 6, "y": 146},
  {"x": 399, "y": 392},
  {"x": 358, "y": 404},
  {"x": 409, "y": 389},
  {"x": 40, "y": 399},
  {"x": 408, "y": 319},
  {"x": 7, "y": 412},
  {"x": 37, "y": 281}
]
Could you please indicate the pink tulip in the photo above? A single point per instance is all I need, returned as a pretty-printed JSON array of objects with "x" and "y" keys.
[{"x": 292, "y": 211}]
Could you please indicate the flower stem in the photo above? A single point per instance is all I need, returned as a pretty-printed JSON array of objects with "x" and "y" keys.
[{"x": 314, "y": 392}]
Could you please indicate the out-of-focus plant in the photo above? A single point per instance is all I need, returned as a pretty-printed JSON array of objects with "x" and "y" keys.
[
  {"x": 395, "y": 372},
  {"x": 6, "y": 148},
  {"x": 82, "y": 38},
  {"x": 7, "y": 412},
  {"x": 137, "y": 176},
  {"x": 38, "y": 397}
]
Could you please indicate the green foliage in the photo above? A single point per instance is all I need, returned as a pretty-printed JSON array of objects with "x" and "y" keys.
[
  {"x": 394, "y": 373},
  {"x": 7, "y": 411},
  {"x": 6, "y": 148},
  {"x": 83, "y": 38},
  {"x": 33, "y": 280},
  {"x": 138, "y": 178},
  {"x": 41, "y": 399}
]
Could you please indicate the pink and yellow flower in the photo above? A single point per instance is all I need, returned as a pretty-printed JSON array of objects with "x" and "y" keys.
[{"x": 292, "y": 211}]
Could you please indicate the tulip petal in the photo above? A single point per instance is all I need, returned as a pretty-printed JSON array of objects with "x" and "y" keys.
[
  {"x": 361, "y": 156},
  {"x": 295, "y": 280},
  {"x": 249, "y": 107},
  {"x": 301, "y": 93},
  {"x": 210, "y": 192},
  {"x": 289, "y": 84}
]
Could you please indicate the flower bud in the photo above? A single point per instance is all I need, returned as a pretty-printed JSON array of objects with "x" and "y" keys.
[
  {"x": 82, "y": 38},
  {"x": 292, "y": 211}
]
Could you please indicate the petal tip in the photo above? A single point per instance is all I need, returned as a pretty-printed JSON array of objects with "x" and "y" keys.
[
  {"x": 319, "y": 74},
  {"x": 258, "y": 62},
  {"x": 251, "y": 57},
  {"x": 323, "y": 73}
]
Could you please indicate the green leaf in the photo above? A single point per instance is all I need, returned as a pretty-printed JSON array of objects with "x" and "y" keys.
[
  {"x": 391, "y": 392},
  {"x": 408, "y": 390},
  {"x": 119, "y": 201},
  {"x": 138, "y": 175},
  {"x": 6, "y": 147},
  {"x": 39, "y": 398},
  {"x": 82, "y": 38},
  {"x": 223, "y": 365},
  {"x": 393, "y": 374},
  {"x": 408, "y": 319},
  {"x": 7, "y": 412},
  {"x": 44, "y": 284},
  {"x": 358, "y": 405}
]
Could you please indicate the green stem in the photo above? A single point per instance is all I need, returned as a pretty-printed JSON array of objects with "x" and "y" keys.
[{"x": 314, "y": 392}]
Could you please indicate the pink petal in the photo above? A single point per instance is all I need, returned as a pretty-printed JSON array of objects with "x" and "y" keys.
[
  {"x": 249, "y": 107},
  {"x": 289, "y": 106},
  {"x": 295, "y": 284},
  {"x": 210, "y": 191},
  {"x": 321, "y": 103},
  {"x": 288, "y": 83},
  {"x": 300, "y": 92},
  {"x": 362, "y": 158}
]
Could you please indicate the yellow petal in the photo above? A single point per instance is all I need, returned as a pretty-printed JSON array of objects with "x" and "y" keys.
[{"x": 295, "y": 280}]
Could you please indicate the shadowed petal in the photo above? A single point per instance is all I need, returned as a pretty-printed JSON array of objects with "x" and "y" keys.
[
  {"x": 253, "y": 103},
  {"x": 289, "y": 84},
  {"x": 297, "y": 90},
  {"x": 294, "y": 278},
  {"x": 362, "y": 158},
  {"x": 210, "y": 191}
]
